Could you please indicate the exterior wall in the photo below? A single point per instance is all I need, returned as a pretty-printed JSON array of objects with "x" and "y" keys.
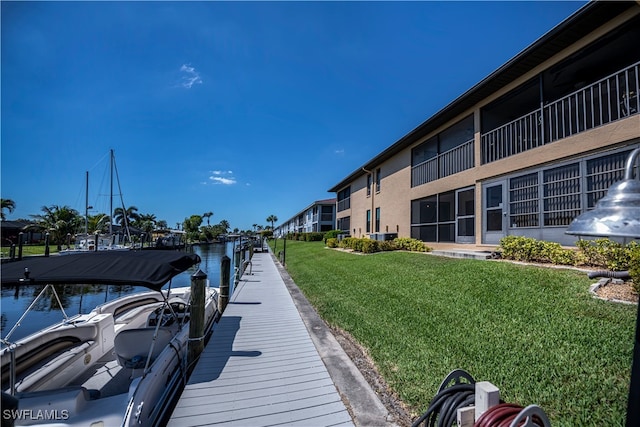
[{"x": 396, "y": 193}]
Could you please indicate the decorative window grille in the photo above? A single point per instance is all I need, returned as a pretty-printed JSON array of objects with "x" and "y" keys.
[
  {"x": 601, "y": 173},
  {"x": 561, "y": 199},
  {"x": 524, "y": 201}
]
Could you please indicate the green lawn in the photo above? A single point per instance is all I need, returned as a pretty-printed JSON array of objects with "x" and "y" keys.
[
  {"x": 535, "y": 333},
  {"x": 28, "y": 250}
]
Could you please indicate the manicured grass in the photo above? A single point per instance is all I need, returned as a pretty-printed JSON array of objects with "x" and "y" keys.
[
  {"x": 28, "y": 250},
  {"x": 534, "y": 332}
]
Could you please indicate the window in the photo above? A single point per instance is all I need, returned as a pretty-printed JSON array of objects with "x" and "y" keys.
[
  {"x": 433, "y": 218},
  {"x": 368, "y": 228},
  {"x": 378, "y": 180},
  {"x": 424, "y": 219},
  {"x": 377, "y": 229},
  {"x": 368, "y": 185},
  {"x": 425, "y": 151},
  {"x": 344, "y": 199},
  {"x": 447, "y": 217},
  {"x": 466, "y": 213},
  {"x": 561, "y": 195},
  {"x": 493, "y": 197},
  {"x": 344, "y": 224},
  {"x": 326, "y": 213},
  {"x": 456, "y": 135},
  {"x": 524, "y": 210}
]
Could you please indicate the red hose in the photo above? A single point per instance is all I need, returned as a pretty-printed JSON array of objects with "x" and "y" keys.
[{"x": 503, "y": 415}]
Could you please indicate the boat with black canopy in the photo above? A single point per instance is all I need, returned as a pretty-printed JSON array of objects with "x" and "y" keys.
[{"x": 121, "y": 364}]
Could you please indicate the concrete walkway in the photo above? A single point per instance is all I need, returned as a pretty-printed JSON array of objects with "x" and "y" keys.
[{"x": 272, "y": 361}]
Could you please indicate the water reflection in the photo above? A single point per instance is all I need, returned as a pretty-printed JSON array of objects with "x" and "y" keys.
[{"x": 82, "y": 299}]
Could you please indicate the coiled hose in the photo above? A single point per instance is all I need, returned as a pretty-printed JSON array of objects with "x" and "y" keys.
[
  {"x": 457, "y": 391},
  {"x": 443, "y": 409},
  {"x": 510, "y": 414}
]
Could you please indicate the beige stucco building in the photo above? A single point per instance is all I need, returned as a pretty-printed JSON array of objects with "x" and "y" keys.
[{"x": 523, "y": 152}]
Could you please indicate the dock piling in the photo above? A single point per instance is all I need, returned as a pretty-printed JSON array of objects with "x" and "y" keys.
[
  {"x": 225, "y": 272},
  {"x": 196, "y": 322}
]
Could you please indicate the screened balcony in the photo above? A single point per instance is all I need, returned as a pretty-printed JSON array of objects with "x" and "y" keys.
[
  {"x": 612, "y": 98},
  {"x": 452, "y": 161}
]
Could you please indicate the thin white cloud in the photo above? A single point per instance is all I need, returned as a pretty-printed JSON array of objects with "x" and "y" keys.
[
  {"x": 221, "y": 180},
  {"x": 189, "y": 76},
  {"x": 340, "y": 151},
  {"x": 222, "y": 177}
]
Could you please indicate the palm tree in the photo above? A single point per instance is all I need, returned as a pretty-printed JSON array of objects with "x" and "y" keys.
[
  {"x": 7, "y": 204},
  {"x": 59, "y": 221},
  {"x": 207, "y": 215},
  {"x": 124, "y": 217},
  {"x": 272, "y": 219},
  {"x": 98, "y": 223},
  {"x": 225, "y": 225},
  {"x": 144, "y": 220},
  {"x": 147, "y": 223}
]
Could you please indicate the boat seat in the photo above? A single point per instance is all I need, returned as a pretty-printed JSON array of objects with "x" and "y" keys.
[
  {"x": 43, "y": 375},
  {"x": 72, "y": 399},
  {"x": 132, "y": 345}
]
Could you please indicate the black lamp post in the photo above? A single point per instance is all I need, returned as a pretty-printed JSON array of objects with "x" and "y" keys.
[{"x": 618, "y": 215}]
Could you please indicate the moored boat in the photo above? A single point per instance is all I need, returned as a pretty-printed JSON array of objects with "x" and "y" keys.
[{"x": 121, "y": 364}]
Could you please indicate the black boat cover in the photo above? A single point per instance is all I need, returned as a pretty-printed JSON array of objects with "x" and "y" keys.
[{"x": 152, "y": 269}]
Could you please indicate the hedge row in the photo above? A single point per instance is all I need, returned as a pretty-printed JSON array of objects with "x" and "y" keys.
[
  {"x": 600, "y": 253},
  {"x": 306, "y": 237},
  {"x": 367, "y": 246}
]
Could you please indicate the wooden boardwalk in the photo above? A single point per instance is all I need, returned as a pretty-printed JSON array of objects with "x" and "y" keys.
[{"x": 260, "y": 367}]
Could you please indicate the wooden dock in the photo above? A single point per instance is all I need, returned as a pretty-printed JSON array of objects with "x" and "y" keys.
[{"x": 260, "y": 367}]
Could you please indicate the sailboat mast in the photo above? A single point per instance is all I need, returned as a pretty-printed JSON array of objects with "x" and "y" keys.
[
  {"x": 111, "y": 196},
  {"x": 86, "y": 206}
]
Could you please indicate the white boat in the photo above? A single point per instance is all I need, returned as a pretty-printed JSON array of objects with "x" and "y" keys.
[
  {"x": 87, "y": 242},
  {"x": 122, "y": 364}
]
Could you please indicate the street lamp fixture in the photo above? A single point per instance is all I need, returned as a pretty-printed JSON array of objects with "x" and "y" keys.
[{"x": 618, "y": 215}]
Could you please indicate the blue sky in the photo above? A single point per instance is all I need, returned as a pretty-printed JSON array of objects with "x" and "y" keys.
[{"x": 244, "y": 109}]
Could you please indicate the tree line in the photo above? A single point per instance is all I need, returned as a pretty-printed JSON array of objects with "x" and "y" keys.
[{"x": 62, "y": 221}]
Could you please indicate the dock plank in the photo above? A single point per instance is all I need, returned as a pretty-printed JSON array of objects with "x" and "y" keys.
[{"x": 260, "y": 367}]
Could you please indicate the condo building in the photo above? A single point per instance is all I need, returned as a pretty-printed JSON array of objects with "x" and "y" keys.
[
  {"x": 319, "y": 216},
  {"x": 523, "y": 152}
]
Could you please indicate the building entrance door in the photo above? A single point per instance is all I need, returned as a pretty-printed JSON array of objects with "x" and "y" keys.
[
  {"x": 465, "y": 215},
  {"x": 495, "y": 212}
]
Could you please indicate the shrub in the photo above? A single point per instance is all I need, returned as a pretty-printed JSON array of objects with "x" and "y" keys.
[
  {"x": 387, "y": 245},
  {"x": 604, "y": 253},
  {"x": 559, "y": 255},
  {"x": 520, "y": 248},
  {"x": 313, "y": 237},
  {"x": 634, "y": 265},
  {"x": 332, "y": 234},
  {"x": 368, "y": 246},
  {"x": 409, "y": 244},
  {"x": 332, "y": 242},
  {"x": 347, "y": 243}
]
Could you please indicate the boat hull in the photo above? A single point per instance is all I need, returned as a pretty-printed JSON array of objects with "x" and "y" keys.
[{"x": 82, "y": 371}]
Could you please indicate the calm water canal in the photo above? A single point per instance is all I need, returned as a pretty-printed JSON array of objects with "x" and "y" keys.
[{"x": 82, "y": 299}]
